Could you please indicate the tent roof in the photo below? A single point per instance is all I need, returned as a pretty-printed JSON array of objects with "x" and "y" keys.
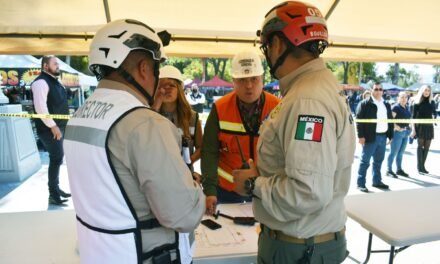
[
  {"x": 434, "y": 86},
  {"x": 390, "y": 86},
  {"x": 22, "y": 61},
  {"x": 374, "y": 30},
  {"x": 216, "y": 82}
]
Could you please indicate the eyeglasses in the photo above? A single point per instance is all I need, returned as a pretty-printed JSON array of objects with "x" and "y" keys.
[
  {"x": 378, "y": 89},
  {"x": 263, "y": 49}
]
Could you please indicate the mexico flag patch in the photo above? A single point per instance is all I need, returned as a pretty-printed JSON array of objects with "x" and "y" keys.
[{"x": 309, "y": 128}]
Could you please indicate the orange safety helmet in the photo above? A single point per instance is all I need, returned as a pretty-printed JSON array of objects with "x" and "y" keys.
[{"x": 299, "y": 22}]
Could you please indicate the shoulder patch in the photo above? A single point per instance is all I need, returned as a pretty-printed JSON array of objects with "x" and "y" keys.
[{"x": 309, "y": 128}]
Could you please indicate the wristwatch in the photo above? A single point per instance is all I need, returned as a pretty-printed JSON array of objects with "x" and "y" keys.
[{"x": 249, "y": 185}]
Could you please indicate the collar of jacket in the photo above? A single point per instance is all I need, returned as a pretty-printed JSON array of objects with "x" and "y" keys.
[
  {"x": 50, "y": 75},
  {"x": 287, "y": 81},
  {"x": 113, "y": 85}
]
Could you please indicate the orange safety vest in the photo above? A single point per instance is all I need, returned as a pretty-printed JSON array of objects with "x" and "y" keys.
[{"x": 232, "y": 126}]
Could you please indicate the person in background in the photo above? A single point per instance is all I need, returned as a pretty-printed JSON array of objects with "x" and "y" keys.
[
  {"x": 50, "y": 97},
  {"x": 305, "y": 150},
  {"x": 437, "y": 103},
  {"x": 373, "y": 136},
  {"x": 132, "y": 192},
  {"x": 423, "y": 108},
  {"x": 196, "y": 99},
  {"x": 366, "y": 95},
  {"x": 400, "y": 110},
  {"x": 236, "y": 116},
  {"x": 170, "y": 101}
]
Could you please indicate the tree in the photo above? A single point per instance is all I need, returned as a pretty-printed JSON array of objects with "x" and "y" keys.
[
  {"x": 219, "y": 65},
  {"x": 401, "y": 76},
  {"x": 179, "y": 62},
  {"x": 348, "y": 72},
  {"x": 194, "y": 70}
]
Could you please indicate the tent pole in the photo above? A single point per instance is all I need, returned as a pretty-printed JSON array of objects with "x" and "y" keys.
[
  {"x": 332, "y": 8},
  {"x": 107, "y": 11}
]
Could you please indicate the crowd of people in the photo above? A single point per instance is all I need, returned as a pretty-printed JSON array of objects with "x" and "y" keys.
[
  {"x": 373, "y": 136},
  {"x": 130, "y": 149}
]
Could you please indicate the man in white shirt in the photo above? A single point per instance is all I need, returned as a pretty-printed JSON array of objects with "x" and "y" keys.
[
  {"x": 50, "y": 97},
  {"x": 196, "y": 99},
  {"x": 373, "y": 136}
]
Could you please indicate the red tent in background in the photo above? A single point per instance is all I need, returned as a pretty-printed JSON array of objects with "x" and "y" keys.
[{"x": 216, "y": 82}]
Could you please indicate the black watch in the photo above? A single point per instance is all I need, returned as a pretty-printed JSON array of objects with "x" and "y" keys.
[{"x": 249, "y": 185}]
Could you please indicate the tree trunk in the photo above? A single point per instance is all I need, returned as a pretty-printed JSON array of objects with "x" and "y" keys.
[
  {"x": 345, "y": 65},
  {"x": 205, "y": 69},
  {"x": 395, "y": 79},
  {"x": 223, "y": 68}
]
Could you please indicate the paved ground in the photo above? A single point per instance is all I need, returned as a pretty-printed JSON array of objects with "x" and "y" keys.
[{"x": 32, "y": 195}]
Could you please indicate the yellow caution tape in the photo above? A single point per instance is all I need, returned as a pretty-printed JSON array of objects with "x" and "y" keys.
[
  {"x": 34, "y": 115},
  {"x": 407, "y": 121}
]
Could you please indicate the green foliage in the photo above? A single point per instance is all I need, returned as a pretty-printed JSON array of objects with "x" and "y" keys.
[
  {"x": 405, "y": 77},
  {"x": 194, "y": 70},
  {"x": 348, "y": 72},
  {"x": 179, "y": 63}
]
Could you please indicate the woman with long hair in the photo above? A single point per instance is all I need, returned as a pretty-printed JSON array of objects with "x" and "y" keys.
[
  {"x": 170, "y": 102},
  {"x": 423, "y": 108}
]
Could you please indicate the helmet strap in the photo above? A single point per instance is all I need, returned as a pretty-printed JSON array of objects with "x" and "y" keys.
[
  {"x": 278, "y": 63},
  {"x": 156, "y": 76},
  {"x": 129, "y": 78}
]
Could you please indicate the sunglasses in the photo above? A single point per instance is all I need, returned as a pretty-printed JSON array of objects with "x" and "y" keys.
[{"x": 378, "y": 89}]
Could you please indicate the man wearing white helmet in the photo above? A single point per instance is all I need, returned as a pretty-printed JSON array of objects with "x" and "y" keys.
[
  {"x": 129, "y": 205},
  {"x": 234, "y": 118}
]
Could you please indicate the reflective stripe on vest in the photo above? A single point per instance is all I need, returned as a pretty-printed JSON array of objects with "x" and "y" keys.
[
  {"x": 222, "y": 173},
  {"x": 233, "y": 127}
]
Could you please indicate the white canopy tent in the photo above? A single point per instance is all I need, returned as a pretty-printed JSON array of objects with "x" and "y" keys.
[{"x": 374, "y": 30}]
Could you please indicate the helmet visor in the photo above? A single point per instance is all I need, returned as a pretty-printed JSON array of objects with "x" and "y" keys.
[{"x": 138, "y": 41}]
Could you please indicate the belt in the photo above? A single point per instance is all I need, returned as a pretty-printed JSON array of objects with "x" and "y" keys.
[
  {"x": 381, "y": 134},
  {"x": 400, "y": 129},
  {"x": 278, "y": 235}
]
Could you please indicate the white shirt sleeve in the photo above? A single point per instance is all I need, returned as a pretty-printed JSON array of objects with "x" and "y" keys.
[{"x": 40, "y": 89}]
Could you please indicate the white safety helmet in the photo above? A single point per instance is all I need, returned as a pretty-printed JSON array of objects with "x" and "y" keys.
[
  {"x": 246, "y": 64},
  {"x": 171, "y": 72},
  {"x": 112, "y": 44}
]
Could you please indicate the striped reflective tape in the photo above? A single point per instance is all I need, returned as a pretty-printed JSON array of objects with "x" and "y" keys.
[
  {"x": 222, "y": 173},
  {"x": 34, "y": 115},
  {"x": 230, "y": 126},
  {"x": 408, "y": 121}
]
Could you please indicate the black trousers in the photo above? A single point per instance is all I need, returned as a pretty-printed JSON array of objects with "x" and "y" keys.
[{"x": 56, "y": 153}]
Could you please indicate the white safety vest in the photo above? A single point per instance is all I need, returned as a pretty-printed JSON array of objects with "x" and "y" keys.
[{"x": 108, "y": 228}]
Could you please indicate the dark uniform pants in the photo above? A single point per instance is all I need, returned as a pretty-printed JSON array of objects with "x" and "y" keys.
[
  {"x": 56, "y": 155},
  {"x": 273, "y": 251}
]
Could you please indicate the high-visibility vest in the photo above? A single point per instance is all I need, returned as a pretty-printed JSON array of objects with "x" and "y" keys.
[
  {"x": 231, "y": 126},
  {"x": 109, "y": 231}
]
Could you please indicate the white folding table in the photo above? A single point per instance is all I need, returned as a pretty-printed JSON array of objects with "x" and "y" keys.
[
  {"x": 400, "y": 218},
  {"x": 50, "y": 237}
]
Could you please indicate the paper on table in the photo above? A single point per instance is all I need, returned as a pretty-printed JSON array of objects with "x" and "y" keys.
[
  {"x": 244, "y": 209},
  {"x": 227, "y": 235}
]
